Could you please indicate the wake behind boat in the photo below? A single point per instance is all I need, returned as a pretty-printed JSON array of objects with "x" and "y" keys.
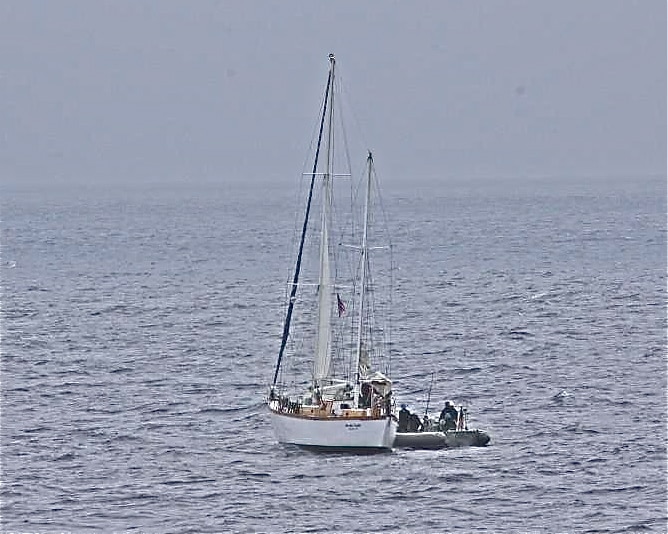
[{"x": 335, "y": 394}]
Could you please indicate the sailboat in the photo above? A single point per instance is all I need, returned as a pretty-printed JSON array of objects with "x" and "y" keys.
[{"x": 336, "y": 405}]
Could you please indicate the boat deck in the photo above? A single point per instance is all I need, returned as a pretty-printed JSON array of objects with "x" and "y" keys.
[{"x": 326, "y": 410}]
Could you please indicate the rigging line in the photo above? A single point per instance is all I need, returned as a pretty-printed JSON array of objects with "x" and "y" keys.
[
  {"x": 357, "y": 202},
  {"x": 299, "y": 194},
  {"x": 392, "y": 268},
  {"x": 344, "y": 133},
  {"x": 347, "y": 101},
  {"x": 293, "y": 292},
  {"x": 300, "y": 190}
]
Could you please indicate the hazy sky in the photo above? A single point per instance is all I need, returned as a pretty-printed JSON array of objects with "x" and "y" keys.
[{"x": 139, "y": 90}]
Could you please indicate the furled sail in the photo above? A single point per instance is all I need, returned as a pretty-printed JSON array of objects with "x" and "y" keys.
[{"x": 325, "y": 301}]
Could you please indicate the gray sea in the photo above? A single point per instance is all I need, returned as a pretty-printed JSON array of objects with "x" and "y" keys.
[{"x": 141, "y": 324}]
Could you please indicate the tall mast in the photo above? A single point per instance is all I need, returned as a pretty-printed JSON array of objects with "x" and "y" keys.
[
  {"x": 295, "y": 280},
  {"x": 323, "y": 343},
  {"x": 364, "y": 258}
]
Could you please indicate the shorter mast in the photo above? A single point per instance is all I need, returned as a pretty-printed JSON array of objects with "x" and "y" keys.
[{"x": 364, "y": 258}]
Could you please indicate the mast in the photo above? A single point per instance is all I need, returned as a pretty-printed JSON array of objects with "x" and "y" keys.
[
  {"x": 364, "y": 258},
  {"x": 324, "y": 333},
  {"x": 295, "y": 280}
]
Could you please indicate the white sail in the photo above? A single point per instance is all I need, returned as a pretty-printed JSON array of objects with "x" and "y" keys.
[{"x": 324, "y": 335}]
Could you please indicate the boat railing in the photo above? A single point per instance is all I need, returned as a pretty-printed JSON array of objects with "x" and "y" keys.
[{"x": 325, "y": 409}]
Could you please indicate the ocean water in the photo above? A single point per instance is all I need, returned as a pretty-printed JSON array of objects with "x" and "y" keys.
[{"x": 140, "y": 327}]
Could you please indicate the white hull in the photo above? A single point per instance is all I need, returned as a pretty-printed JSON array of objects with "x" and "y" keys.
[{"x": 334, "y": 432}]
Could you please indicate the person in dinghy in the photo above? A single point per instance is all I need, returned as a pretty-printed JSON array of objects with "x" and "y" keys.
[{"x": 449, "y": 418}]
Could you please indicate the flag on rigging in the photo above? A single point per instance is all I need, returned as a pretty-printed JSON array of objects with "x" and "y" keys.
[{"x": 340, "y": 305}]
